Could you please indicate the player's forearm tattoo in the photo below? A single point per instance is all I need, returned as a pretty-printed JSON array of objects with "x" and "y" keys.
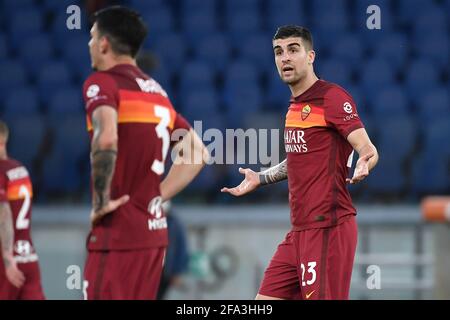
[
  {"x": 6, "y": 233},
  {"x": 274, "y": 174},
  {"x": 103, "y": 163}
]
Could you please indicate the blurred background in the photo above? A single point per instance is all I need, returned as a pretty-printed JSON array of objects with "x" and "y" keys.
[{"x": 215, "y": 60}]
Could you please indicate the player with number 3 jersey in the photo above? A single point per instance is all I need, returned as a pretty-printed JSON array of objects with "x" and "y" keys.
[{"x": 130, "y": 120}]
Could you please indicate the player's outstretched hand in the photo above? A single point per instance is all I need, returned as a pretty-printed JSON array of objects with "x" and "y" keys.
[
  {"x": 108, "y": 208},
  {"x": 13, "y": 274},
  {"x": 361, "y": 169},
  {"x": 250, "y": 183}
]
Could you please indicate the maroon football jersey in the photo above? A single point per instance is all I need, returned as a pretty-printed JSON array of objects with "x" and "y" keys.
[
  {"x": 319, "y": 155},
  {"x": 16, "y": 188},
  {"x": 146, "y": 119}
]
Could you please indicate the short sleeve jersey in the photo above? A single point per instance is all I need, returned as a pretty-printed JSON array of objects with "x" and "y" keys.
[
  {"x": 146, "y": 120},
  {"x": 319, "y": 155},
  {"x": 16, "y": 189}
]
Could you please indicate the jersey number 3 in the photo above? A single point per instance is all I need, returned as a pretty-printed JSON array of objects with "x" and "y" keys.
[{"x": 163, "y": 133}]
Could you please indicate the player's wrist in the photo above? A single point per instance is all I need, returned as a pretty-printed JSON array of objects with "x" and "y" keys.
[{"x": 262, "y": 179}]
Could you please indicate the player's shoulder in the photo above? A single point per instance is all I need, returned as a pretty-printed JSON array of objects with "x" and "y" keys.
[
  {"x": 99, "y": 77},
  {"x": 12, "y": 167},
  {"x": 334, "y": 90}
]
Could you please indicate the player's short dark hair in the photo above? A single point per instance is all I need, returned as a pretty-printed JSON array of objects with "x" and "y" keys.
[
  {"x": 4, "y": 131},
  {"x": 289, "y": 31},
  {"x": 123, "y": 27}
]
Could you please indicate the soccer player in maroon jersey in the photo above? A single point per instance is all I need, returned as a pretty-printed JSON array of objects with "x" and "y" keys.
[
  {"x": 130, "y": 120},
  {"x": 20, "y": 277},
  {"x": 322, "y": 129}
]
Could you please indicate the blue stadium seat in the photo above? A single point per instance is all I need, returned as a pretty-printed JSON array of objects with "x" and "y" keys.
[
  {"x": 234, "y": 6},
  {"x": 394, "y": 50},
  {"x": 3, "y": 47},
  {"x": 436, "y": 138},
  {"x": 241, "y": 100},
  {"x": 24, "y": 25},
  {"x": 328, "y": 26},
  {"x": 282, "y": 14},
  {"x": 71, "y": 137},
  {"x": 52, "y": 77},
  {"x": 146, "y": 6},
  {"x": 285, "y": 6},
  {"x": 375, "y": 75},
  {"x": 26, "y": 137},
  {"x": 70, "y": 148},
  {"x": 76, "y": 54},
  {"x": 348, "y": 48},
  {"x": 61, "y": 175},
  {"x": 196, "y": 75},
  {"x": 159, "y": 21},
  {"x": 434, "y": 46},
  {"x": 429, "y": 21},
  {"x": 163, "y": 77},
  {"x": 334, "y": 70},
  {"x": 390, "y": 102},
  {"x": 240, "y": 25},
  {"x": 200, "y": 105},
  {"x": 431, "y": 172},
  {"x": 35, "y": 52},
  {"x": 197, "y": 25},
  {"x": 392, "y": 180},
  {"x": 207, "y": 180},
  {"x": 319, "y": 6},
  {"x": 422, "y": 76},
  {"x": 277, "y": 94},
  {"x": 59, "y": 31},
  {"x": 257, "y": 49},
  {"x": 21, "y": 102},
  {"x": 189, "y": 5},
  {"x": 175, "y": 57},
  {"x": 241, "y": 72},
  {"x": 14, "y": 5},
  {"x": 12, "y": 75},
  {"x": 434, "y": 105},
  {"x": 60, "y": 5},
  {"x": 66, "y": 101},
  {"x": 430, "y": 175},
  {"x": 214, "y": 49},
  {"x": 408, "y": 10},
  {"x": 396, "y": 137}
]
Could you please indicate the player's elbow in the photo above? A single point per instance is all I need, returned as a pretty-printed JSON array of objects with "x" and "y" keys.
[{"x": 107, "y": 141}]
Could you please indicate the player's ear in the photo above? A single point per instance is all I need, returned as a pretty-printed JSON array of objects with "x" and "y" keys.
[
  {"x": 311, "y": 56},
  {"x": 104, "y": 44}
]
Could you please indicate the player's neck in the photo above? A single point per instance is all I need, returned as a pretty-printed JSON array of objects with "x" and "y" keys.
[
  {"x": 3, "y": 155},
  {"x": 114, "y": 61},
  {"x": 303, "y": 85}
]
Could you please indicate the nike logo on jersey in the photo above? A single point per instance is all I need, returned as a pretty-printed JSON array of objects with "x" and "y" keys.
[{"x": 309, "y": 294}]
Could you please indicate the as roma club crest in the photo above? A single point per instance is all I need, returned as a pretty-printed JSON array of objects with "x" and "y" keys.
[{"x": 306, "y": 111}]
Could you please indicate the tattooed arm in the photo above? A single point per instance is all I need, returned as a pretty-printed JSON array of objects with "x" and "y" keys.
[
  {"x": 103, "y": 161},
  {"x": 274, "y": 174},
  {"x": 14, "y": 275},
  {"x": 254, "y": 179}
]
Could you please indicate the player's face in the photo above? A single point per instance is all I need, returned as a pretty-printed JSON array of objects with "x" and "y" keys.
[
  {"x": 94, "y": 47},
  {"x": 292, "y": 59}
]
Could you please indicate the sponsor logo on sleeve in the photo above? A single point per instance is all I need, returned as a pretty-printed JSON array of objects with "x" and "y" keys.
[
  {"x": 92, "y": 91},
  {"x": 348, "y": 107}
]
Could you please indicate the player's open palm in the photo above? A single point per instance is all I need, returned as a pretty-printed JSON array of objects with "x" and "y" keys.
[
  {"x": 14, "y": 275},
  {"x": 111, "y": 206},
  {"x": 361, "y": 169},
  {"x": 250, "y": 183}
]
